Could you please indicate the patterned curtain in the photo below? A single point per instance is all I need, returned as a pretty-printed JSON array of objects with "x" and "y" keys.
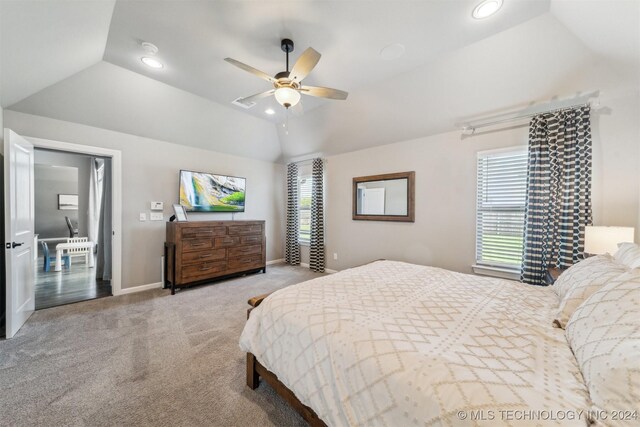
[
  {"x": 316, "y": 257},
  {"x": 558, "y": 192},
  {"x": 292, "y": 249}
]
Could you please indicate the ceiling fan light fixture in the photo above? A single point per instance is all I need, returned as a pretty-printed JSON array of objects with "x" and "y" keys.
[
  {"x": 287, "y": 97},
  {"x": 486, "y": 9}
]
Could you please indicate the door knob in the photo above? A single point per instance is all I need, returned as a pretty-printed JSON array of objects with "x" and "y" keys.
[{"x": 14, "y": 244}]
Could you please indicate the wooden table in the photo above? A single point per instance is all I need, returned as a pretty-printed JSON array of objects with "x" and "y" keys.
[{"x": 61, "y": 247}]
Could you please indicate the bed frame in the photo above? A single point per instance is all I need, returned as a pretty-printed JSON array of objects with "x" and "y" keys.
[{"x": 255, "y": 371}]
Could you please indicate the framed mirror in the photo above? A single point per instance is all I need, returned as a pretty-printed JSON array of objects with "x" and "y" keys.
[{"x": 388, "y": 197}]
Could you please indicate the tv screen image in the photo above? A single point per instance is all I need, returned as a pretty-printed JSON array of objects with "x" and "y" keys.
[{"x": 207, "y": 192}]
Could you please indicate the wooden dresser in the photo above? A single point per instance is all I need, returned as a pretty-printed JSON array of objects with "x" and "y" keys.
[{"x": 197, "y": 252}]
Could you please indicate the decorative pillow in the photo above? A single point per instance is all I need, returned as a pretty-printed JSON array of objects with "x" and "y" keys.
[
  {"x": 579, "y": 271},
  {"x": 581, "y": 282},
  {"x": 604, "y": 334},
  {"x": 628, "y": 254}
]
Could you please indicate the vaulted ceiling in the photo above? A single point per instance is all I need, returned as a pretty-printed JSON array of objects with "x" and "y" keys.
[{"x": 80, "y": 61}]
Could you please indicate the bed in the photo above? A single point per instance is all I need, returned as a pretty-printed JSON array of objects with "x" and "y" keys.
[{"x": 392, "y": 343}]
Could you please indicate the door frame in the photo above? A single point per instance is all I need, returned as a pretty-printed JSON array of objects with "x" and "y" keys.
[{"x": 116, "y": 196}]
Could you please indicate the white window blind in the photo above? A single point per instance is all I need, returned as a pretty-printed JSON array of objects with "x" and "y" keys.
[
  {"x": 305, "y": 183},
  {"x": 502, "y": 184}
]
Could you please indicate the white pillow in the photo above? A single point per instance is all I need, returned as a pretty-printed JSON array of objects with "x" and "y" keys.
[
  {"x": 604, "y": 334},
  {"x": 580, "y": 271},
  {"x": 582, "y": 280},
  {"x": 628, "y": 254}
]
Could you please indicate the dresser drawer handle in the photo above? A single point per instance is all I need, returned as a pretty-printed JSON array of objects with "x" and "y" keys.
[
  {"x": 197, "y": 245},
  {"x": 206, "y": 256},
  {"x": 205, "y": 268}
]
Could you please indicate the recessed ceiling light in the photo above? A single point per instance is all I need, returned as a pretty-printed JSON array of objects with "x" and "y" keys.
[
  {"x": 151, "y": 62},
  {"x": 486, "y": 8},
  {"x": 393, "y": 51},
  {"x": 270, "y": 111}
]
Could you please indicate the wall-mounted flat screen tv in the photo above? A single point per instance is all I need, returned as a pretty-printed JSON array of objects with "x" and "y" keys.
[{"x": 207, "y": 192}]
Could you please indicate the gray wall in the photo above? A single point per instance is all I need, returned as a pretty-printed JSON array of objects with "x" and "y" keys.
[
  {"x": 443, "y": 234},
  {"x": 49, "y": 182},
  {"x": 150, "y": 173},
  {"x": 82, "y": 164}
]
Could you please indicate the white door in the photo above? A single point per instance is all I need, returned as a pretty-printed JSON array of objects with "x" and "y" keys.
[{"x": 19, "y": 230}]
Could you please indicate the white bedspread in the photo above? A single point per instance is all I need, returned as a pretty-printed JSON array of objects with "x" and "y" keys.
[{"x": 398, "y": 344}]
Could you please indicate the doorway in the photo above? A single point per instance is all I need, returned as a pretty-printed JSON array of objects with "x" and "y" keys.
[
  {"x": 22, "y": 254},
  {"x": 72, "y": 227}
]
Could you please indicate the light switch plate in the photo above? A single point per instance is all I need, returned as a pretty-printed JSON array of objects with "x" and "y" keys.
[
  {"x": 157, "y": 206},
  {"x": 156, "y": 216},
  {"x": 143, "y": 216}
]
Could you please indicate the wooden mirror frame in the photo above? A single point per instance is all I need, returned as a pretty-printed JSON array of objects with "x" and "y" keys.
[{"x": 411, "y": 184}]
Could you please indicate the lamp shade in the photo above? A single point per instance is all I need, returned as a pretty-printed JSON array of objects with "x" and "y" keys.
[
  {"x": 601, "y": 240},
  {"x": 287, "y": 97}
]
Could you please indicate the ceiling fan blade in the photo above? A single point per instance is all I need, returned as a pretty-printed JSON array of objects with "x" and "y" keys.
[
  {"x": 304, "y": 65},
  {"x": 251, "y": 70},
  {"x": 257, "y": 96},
  {"x": 324, "y": 92}
]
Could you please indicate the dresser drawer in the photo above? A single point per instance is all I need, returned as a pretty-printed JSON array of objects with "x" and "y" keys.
[
  {"x": 196, "y": 244},
  {"x": 202, "y": 232},
  {"x": 207, "y": 255},
  {"x": 224, "y": 242},
  {"x": 245, "y": 250},
  {"x": 247, "y": 261},
  {"x": 250, "y": 240},
  {"x": 245, "y": 229},
  {"x": 203, "y": 270}
]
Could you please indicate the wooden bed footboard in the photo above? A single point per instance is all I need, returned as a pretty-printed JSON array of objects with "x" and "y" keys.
[
  {"x": 255, "y": 371},
  {"x": 255, "y": 301}
]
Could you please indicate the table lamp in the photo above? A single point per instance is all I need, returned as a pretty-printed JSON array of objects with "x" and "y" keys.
[{"x": 601, "y": 240}]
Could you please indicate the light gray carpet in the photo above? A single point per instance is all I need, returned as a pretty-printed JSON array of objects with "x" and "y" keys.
[{"x": 142, "y": 359}]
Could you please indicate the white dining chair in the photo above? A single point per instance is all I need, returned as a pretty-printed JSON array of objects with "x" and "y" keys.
[{"x": 83, "y": 252}]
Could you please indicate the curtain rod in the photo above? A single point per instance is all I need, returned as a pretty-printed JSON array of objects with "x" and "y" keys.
[
  {"x": 470, "y": 128},
  {"x": 299, "y": 162}
]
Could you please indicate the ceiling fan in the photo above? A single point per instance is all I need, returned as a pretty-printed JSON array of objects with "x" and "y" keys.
[{"x": 287, "y": 85}]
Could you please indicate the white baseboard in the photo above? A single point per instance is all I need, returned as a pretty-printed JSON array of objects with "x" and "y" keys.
[
  {"x": 276, "y": 261},
  {"x": 139, "y": 288},
  {"x": 326, "y": 270}
]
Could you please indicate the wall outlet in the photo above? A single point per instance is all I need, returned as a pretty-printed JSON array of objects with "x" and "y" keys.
[
  {"x": 143, "y": 216},
  {"x": 157, "y": 206},
  {"x": 335, "y": 256},
  {"x": 156, "y": 216}
]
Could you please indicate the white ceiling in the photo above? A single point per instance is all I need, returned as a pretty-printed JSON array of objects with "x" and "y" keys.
[
  {"x": 454, "y": 67},
  {"x": 195, "y": 37},
  {"x": 43, "y": 42},
  {"x": 107, "y": 96},
  {"x": 503, "y": 71}
]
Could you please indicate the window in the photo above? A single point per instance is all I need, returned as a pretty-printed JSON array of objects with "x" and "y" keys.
[
  {"x": 305, "y": 184},
  {"x": 501, "y": 197}
]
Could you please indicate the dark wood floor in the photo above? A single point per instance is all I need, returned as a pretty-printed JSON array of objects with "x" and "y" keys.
[{"x": 76, "y": 284}]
